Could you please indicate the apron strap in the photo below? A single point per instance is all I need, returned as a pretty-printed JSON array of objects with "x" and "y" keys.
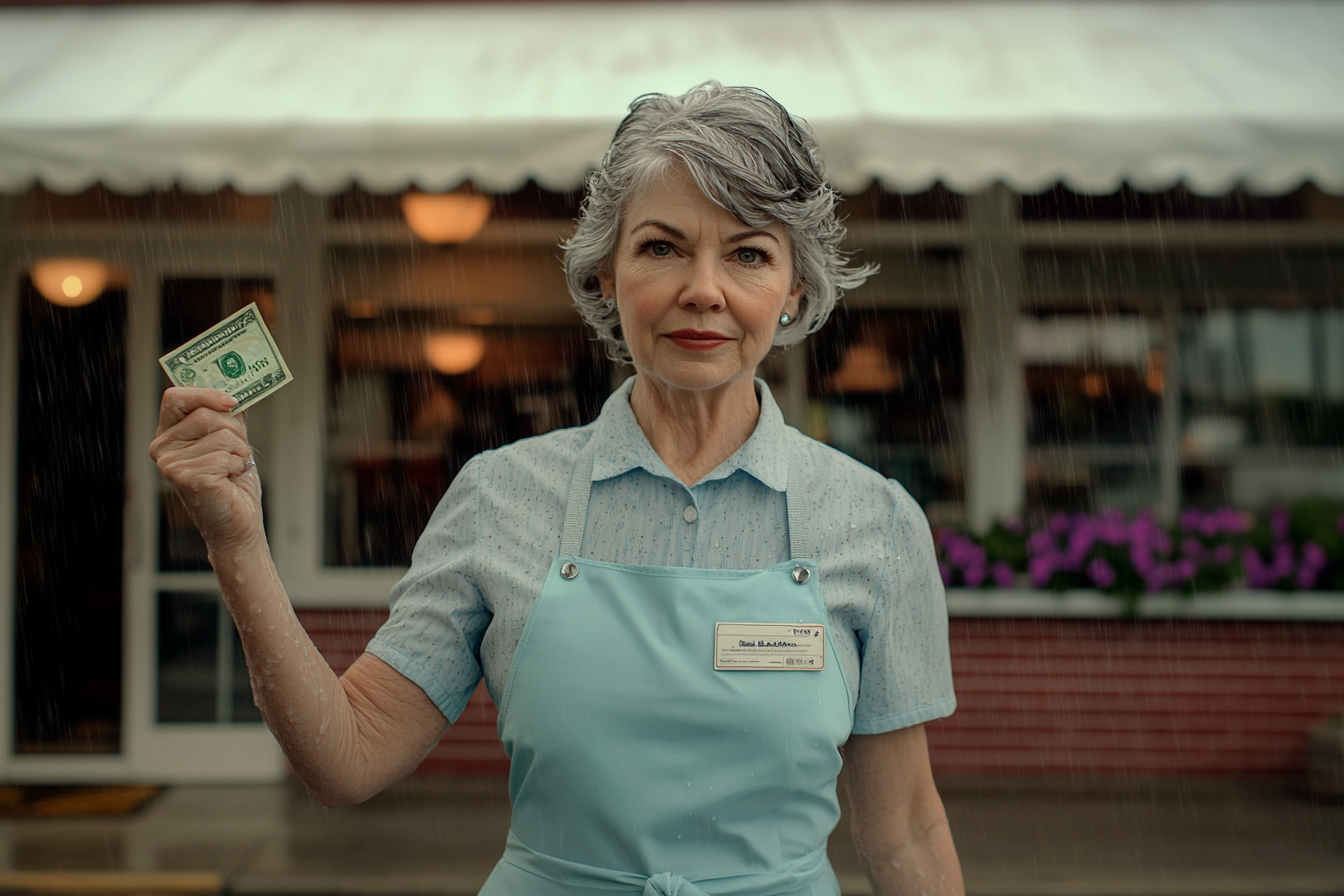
[
  {"x": 581, "y": 485},
  {"x": 800, "y": 532},
  {"x": 576, "y": 508}
]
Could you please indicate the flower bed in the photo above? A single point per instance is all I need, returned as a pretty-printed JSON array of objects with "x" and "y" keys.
[{"x": 1289, "y": 549}]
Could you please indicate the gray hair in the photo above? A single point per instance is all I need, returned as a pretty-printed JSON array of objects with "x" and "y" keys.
[{"x": 748, "y": 155}]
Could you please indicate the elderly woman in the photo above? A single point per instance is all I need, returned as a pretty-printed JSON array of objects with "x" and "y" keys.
[{"x": 687, "y": 612}]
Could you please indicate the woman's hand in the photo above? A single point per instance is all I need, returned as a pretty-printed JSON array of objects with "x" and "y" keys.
[{"x": 204, "y": 453}]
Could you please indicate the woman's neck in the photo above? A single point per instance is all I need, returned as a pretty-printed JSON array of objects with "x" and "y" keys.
[{"x": 693, "y": 432}]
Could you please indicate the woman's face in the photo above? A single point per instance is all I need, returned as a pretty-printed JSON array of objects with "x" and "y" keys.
[{"x": 699, "y": 293}]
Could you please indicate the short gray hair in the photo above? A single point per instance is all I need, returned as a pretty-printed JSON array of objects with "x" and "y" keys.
[{"x": 748, "y": 155}]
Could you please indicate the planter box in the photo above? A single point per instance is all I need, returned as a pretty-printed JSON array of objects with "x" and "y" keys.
[{"x": 1300, "y": 606}]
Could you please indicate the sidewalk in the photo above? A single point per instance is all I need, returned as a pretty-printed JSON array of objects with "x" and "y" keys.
[{"x": 440, "y": 837}]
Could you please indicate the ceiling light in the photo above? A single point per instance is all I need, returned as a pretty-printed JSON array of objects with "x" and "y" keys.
[
  {"x": 70, "y": 282},
  {"x": 454, "y": 351},
  {"x": 446, "y": 217}
]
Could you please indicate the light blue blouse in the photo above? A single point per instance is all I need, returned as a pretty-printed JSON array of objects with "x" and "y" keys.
[{"x": 485, "y": 553}]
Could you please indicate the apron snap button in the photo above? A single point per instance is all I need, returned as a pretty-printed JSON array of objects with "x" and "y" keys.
[
  {"x": 801, "y": 574},
  {"x": 689, "y": 514},
  {"x": 571, "y": 569}
]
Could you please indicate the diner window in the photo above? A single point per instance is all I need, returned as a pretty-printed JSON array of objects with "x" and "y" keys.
[
  {"x": 886, "y": 387},
  {"x": 417, "y": 392},
  {"x": 202, "y": 675},
  {"x": 1094, "y": 384},
  {"x": 1262, "y": 405}
]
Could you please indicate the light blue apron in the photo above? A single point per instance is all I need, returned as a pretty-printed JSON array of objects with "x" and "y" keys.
[{"x": 638, "y": 768}]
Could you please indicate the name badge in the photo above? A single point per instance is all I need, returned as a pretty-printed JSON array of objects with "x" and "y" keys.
[{"x": 755, "y": 646}]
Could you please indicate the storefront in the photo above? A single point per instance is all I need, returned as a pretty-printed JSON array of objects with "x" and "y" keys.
[{"x": 1112, "y": 249}]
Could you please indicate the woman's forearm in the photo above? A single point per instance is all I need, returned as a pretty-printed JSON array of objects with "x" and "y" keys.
[
  {"x": 347, "y": 738},
  {"x": 924, "y": 865},
  {"x": 298, "y": 694}
]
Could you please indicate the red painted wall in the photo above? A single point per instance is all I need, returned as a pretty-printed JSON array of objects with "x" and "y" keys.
[{"x": 1056, "y": 696}]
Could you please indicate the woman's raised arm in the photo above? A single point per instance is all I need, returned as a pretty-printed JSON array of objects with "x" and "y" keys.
[{"x": 347, "y": 738}]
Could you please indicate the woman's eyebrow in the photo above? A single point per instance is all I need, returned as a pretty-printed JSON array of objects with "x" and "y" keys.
[
  {"x": 666, "y": 228},
  {"x": 750, "y": 235}
]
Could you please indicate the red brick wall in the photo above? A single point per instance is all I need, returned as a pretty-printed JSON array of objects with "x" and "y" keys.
[{"x": 1056, "y": 696}]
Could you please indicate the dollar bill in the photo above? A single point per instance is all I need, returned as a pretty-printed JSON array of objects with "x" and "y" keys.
[{"x": 238, "y": 355}]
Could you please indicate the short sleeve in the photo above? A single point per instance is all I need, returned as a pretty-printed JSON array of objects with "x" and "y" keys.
[
  {"x": 905, "y": 677},
  {"x": 433, "y": 635}
]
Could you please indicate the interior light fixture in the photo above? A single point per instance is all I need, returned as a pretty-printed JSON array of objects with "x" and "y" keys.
[
  {"x": 454, "y": 351},
  {"x": 446, "y": 217},
  {"x": 70, "y": 282},
  {"x": 865, "y": 368}
]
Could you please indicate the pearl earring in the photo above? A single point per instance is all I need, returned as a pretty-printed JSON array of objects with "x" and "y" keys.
[{"x": 784, "y": 319}]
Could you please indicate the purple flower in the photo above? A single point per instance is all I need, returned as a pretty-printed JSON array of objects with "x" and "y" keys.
[
  {"x": 1002, "y": 574},
  {"x": 1278, "y": 523},
  {"x": 1306, "y": 577},
  {"x": 1041, "y": 542},
  {"x": 1013, "y": 526},
  {"x": 1313, "y": 556},
  {"x": 1101, "y": 573},
  {"x": 1258, "y": 575},
  {"x": 1193, "y": 548},
  {"x": 1283, "y": 561},
  {"x": 1184, "y": 570},
  {"x": 1060, "y": 523},
  {"x": 1040, "y": 569},
  {"x": 1141, "y": 557},
  {"x": 974, "y": 575},
  {"x": 1191, "y": 519},
  {"x": 1080, "y": 542},
  {"x": 1224, "y": 554}
]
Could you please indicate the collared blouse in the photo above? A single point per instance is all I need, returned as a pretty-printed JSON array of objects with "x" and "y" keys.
[{"x": 480, "y": 564}]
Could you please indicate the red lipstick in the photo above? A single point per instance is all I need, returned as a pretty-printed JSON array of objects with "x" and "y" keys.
[{"x": 697, "y": 340}]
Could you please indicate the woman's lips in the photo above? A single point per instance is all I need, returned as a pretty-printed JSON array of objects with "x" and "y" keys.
[{"x": 697, "y": 340}]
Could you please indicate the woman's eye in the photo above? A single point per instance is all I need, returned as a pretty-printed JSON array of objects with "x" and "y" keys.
[
  {"x": 750, "y": 256},
  {"x": 661, "y": 250}
]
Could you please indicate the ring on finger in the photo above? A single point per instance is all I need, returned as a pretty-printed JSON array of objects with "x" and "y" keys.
[{"x": 251, "y": 462}]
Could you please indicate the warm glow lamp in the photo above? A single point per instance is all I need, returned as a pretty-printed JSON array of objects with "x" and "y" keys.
[
  {"x": 70, "y": 282},
  {"x": 446, "y": 217},
  {"x": 865, "y": 368},
  {"x": 454, "y": 351}
]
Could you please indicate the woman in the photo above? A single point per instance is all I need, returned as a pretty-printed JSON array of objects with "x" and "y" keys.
[{"x": 686, "y": 611}]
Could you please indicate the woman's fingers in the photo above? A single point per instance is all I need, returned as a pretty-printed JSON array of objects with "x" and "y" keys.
[
  {"x": 179, "y": 402},
  {"x": 199, "y": 423},
  {"x": 224, "y": 441}
]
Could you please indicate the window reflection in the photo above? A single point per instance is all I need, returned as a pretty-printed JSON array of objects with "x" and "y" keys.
[
  {"x": 886, "y": 388},
  {"x": 1262, "y": 404},
  {"x": 400, "y": 428},
  {"x": 1094, "y": 391}
]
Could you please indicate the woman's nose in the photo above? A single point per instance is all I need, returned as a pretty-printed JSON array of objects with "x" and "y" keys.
[{"x": 704, "y": 290}]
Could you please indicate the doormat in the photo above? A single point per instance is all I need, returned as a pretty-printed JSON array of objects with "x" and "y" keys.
[{"x": 53, "y": 802}]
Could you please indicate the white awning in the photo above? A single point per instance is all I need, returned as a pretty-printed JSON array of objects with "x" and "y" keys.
[{"x": 259, "y": 97}]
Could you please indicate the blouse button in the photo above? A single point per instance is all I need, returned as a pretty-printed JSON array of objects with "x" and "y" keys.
[{"x": 689, "y": 514}]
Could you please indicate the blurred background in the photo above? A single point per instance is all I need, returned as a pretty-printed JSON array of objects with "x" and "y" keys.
[{"x": 1105, "y": 351}]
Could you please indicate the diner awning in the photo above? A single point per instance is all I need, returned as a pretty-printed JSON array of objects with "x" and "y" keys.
[{"x": 262, "y": 96}]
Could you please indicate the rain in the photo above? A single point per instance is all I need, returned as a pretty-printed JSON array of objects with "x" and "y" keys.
[{"x": 1103, "y": 353}]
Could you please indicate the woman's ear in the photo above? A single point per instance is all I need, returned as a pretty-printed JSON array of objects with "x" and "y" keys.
[
  {"x": 794, "y": 299},
  {"x": 608, "y": 284}
]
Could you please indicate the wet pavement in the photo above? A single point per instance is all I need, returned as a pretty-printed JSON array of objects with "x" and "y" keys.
[{"x": 1098, "y": 837}]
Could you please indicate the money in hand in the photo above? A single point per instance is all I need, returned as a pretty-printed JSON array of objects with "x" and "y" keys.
[{"x": 238, "y": 355}]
